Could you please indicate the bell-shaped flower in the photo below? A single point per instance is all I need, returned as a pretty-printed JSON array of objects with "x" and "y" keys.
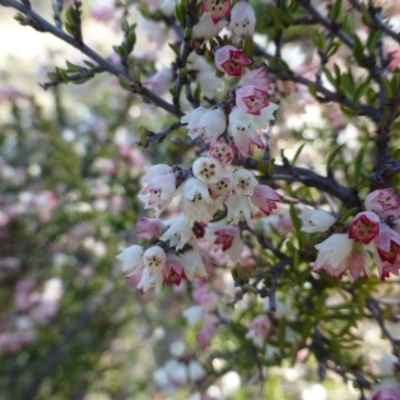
[
  {"x": 382, "y": 202},
  {"x": 222, "y": 151},
  {"x": 244, "y": 182},
  {"x": 154, "y": 259},
  {"x": 192, "y": 119},
  {"x": 228, "y": 239},
  {"x": 387, "y": 251},
  {"x": 243, "y": 20},
  {"x": 364, "y": 227},
  {"x": 131, "y": 258},
  {"x": 231, "y": 60},
  {"x": 245, "y": 144},
  {"x": 193, "y": 265},
  {"x": 223, "y": 188},
  {"x": 265, "y": 198},
  {"x": 266, "y": 114},
  {"x": 212, "y": 124},
  {"x": 159, "y": 193},
  {"x": 257, "y": 78},
  {"x": 316, "y": 220},
  {"x": 206, "y": 28},
  {"x": 196, "y": 201},
  {"x": 203, "y": 73},
  {"x": 259, "y": 329},
  {"x": 173, "y": 271},
  {"x": 178, "y": 234},
  {"x": 134, "y": 278},
  {"x": 241, "y": 123},
  {"x": 207, "y": 169},
  {"x": 251, "y": 99},
  {"x": 352, "y": 257},
  {"x": 238, "y": 207},
  {"x": 217, "y": 9},
  {"x": 155, "y": 171}
]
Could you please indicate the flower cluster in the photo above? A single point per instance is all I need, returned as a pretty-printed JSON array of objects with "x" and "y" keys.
[
  {"x": 373, "y": 234},
  {"x": 211, "y": 187},
  {"x": 218, "y": 14}
]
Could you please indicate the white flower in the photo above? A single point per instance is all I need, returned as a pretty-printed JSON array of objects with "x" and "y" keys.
[
  {"x": 211, "y": 124},
  {"x": 207, "y": 169},
  {"x": 192, "y": 119},
  {"x": 204, "y": 74},
  {"x": 193, "y": 265},
  {"x": 241, "y": 122},
  {"x": 316, "y": 220},
  {"x": 266, "y": 114},
  {"x": 238, "y": 207},
  {"x": 154, "y": 172},
  {"x": 206, "y": 28},
  {"x": 195, "y": 201},
  {"x": 131, "y": 257},
  {"x": 154, "y": 258},
  {"x": 244, "y": 182},
  {"x": 243, "y": 20},
  {"x": 178, "y": 234}
]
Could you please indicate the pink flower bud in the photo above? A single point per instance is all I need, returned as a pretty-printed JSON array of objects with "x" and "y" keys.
[
  {"x": 218, "y": 9},
  {"x": 265, "y": 198},
  {"x": 231, "y": 60},
  {"x": 381, "y": 201},
  {"x": 251, "y": 99},
  {"x": 364, "y": 227}
]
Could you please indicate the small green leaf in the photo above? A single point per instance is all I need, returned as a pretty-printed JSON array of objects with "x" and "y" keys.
[
  {"x": 333, "y": 48},
  {"x": 175, "y": 49},
  {"x": 125, "y": 26},
  {"x": 332, "y": 155},
  {"x": 143, "y": 133},
  {"x": 358, "y": 50},
  {"x": 336, "y": 10},
  {"x": 248, "y": 46},
  {"x": 73, "y": 67},
  {"x": 89, "y": 64},
  {"x": 366, "y": 16},
  {"x": 131, "y": 39},
  {"x": 318, "y": 40},
  {"x": 297, "y": 154},
  {"x": 338, "y": 75},
  {"x": 373, "y": 39}
]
